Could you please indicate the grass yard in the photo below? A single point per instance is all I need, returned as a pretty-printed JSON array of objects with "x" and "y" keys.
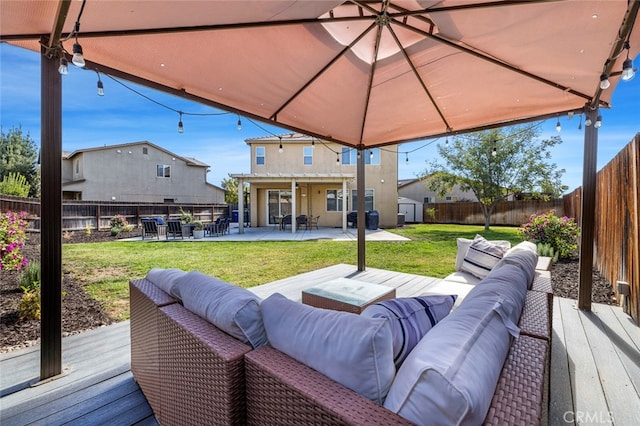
[{"x": 106, "y": 268}]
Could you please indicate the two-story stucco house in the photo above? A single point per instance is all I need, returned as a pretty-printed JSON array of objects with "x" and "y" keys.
[
  {"x": 138, "y": 171},
  {"x": 296, "y": 174}
]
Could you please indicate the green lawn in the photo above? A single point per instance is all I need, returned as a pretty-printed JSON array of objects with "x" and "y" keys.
[{"x": 106, "y": 268}]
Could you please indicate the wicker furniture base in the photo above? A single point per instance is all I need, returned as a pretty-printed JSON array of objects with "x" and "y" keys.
[
  {"x": 344, "y": 294},
  {"x": 282, "y": 391},
  {"x": 145, "y": 300},
  {"x": 202, "y": 371},
  {"x": 519, "y": 398}
]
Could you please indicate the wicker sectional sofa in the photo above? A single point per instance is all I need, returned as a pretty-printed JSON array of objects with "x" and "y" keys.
[{"x": 193, "y": 373}]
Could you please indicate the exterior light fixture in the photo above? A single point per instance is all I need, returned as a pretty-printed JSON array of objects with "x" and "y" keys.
[
  {"x": 78, "y": 59},
  {"x": 180, "y": 125},
  {"x": 598, "y": 122},
  {"x": 100, "y": 86},
  {"x": 627, "y": 67},
  {"x": 63, "y": 69},
  {"x": 604, "y": 82},
  {"x": 627, "y": 70}
]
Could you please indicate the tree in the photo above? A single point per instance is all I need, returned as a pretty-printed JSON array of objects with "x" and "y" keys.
[
  {"x": 18, "y": 154},
  {"x": 230, "y": 185},
  {"x": 14, "y": 184},
  {"x": 495, "y": 164}
]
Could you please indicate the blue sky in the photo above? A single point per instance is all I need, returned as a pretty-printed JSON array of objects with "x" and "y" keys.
[{"x": 122, "y": 116}]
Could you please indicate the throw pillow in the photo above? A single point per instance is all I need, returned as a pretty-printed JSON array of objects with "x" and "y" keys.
[
  {"x": 234, "y": 310},
  {"x": 481, "y": 257},
  {"x": 465, "y": 243},
  {"x": 166, "y": 279},
  {"x": 355, "y": 351},
  {"x": 410, "y": 318}
]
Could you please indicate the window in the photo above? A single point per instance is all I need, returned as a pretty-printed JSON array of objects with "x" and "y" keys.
[
  {"x": 368, "y": 199},
  {"x": 163, "y": 170},
  {"x": 145, "y": 150},
  {"x": 426, "y": 200},
  {"x": 308, "y": 155},
  {"x": 371, "y": 156},
  {"x": 334, "y": 200},
  {"x": 260, "y": 155},
  {"x": 77, "y": 166}
]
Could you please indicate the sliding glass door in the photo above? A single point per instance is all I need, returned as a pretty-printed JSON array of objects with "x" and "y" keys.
[{"x": 278, "y": 205}]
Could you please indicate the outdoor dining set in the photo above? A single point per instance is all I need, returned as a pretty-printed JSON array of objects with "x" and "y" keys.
[
  {"x": 302, "y": 221},
  {"x": 174, "y": 228}
]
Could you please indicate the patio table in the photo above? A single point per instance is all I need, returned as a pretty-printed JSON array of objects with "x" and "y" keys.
[{"x": 345, "y": 294}]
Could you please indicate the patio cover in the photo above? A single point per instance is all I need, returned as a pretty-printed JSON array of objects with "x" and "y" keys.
[{"x": 362, "y": 73}]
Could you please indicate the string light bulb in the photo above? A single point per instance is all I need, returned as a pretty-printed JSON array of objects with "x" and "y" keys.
[
  {"x": 604, "y": 82},
  {"x": 558, "y": 125},
  {"x": 406, "y": 158},
  {"x": 313, "y": 144},
  {"x": 78, "y": 58},
  {"x": 580, "y": 124},
  {"x": 337, "y": 158},
  {"x": 100, "y": 86},
  {"x": 239, "y": 125},
  {"x": 63, "y": 69},
  {"x": 598, "y": 122},
  {"x": 180, "y": 126},
  {"x": 627, "y": 67},
  {"x": 370, "y": 155},
  {"x": 280, "y": 149},
  {"x": 494, "y": 152},
  {"x": 587, "y": 122},
  {"x": 446, "y": 142}
]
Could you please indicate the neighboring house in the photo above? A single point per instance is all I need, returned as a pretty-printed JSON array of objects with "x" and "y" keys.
[
  {"x": 138, "y": 171},
  {"x": 416, "y": 189},
  {"x": 296, "y": 174}
]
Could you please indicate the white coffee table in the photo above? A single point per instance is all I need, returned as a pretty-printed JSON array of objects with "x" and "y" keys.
[{"x": 344, "y": 294}]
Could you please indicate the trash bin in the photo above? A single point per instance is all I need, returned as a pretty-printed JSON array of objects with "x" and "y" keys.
[
  {"x": 352, "y": 218},
  {"x": 400, "y": 219},
  {"x": 234, "y": 215},
  {"x": 372, "y": 220}
]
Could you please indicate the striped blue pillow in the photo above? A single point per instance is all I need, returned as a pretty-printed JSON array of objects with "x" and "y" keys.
[
  {"x": 481, "y": 257},
  {"x": 410, "y": 318}
]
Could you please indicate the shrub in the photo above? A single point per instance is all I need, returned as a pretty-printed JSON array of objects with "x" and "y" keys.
[
  {"x": 115, "y": 230},
  {"x": 12, "y": 236},
  {"x": 15, "y": 184},
  {"x": 118, "y": 221},
  {"x": 559, "y": 233},
  {"x": 548, "y": 251},
  {"x": 29, "y": 307},
  {"x": 30, "y": 276}
]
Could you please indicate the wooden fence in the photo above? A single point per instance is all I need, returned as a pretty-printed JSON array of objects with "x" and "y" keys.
[
  {"x": 511, "y": 213},
  {"x": 79, "y": 215},
  {"x": 617, "y": 227}
]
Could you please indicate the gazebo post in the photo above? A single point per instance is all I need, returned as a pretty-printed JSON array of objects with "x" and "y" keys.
[
  {"x": 587, "y": 216},
  {"x": 51, "y": 218},
  {"x": 361, "y": 219}
]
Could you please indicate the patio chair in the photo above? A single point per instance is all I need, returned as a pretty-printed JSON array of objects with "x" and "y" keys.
[
  {"x": 286, "y": 220},
  {"x": 312, "y": 221},
  {"x": 150, "y": 228},
  {"x": 301, "y": 221},
  {"x": 174, "y": 228}
]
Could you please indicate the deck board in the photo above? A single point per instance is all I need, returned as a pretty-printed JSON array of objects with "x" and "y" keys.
[{"x": 595, "y": 363}]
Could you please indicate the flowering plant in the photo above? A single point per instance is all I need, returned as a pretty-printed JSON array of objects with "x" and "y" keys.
[
  {"x": 561, "y": 233},
  {"x": 118, "y": 221},
  {"x": 12, "y": 236}
]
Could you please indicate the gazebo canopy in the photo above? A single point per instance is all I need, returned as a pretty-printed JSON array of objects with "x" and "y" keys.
[{"x": 362, "y": 73}]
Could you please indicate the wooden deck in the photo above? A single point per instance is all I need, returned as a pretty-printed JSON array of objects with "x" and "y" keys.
[{"x": 595, "y": 364}]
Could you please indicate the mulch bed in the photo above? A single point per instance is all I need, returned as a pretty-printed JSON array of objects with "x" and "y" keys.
[{"x": 80, "y": 312}]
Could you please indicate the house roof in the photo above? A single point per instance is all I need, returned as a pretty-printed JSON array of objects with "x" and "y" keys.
[
  {"x": 188, "y": 160},
  {"x": 298, "y": 177},
  {"x": 405, "y": 182}
]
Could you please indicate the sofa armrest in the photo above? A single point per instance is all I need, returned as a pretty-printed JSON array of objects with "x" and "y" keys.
[
  {"x": 201, "y": 371},
  {"x": 145, "y": 298},
  {"x": 282, "y": 391},
  {"x": 519, "y": 397}
]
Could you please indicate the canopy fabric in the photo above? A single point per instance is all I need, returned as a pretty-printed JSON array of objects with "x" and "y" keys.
[{"x": 361, "y": 73}]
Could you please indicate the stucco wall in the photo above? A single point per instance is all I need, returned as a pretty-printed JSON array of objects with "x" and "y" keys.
[{"x": 128, "y": 174}]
